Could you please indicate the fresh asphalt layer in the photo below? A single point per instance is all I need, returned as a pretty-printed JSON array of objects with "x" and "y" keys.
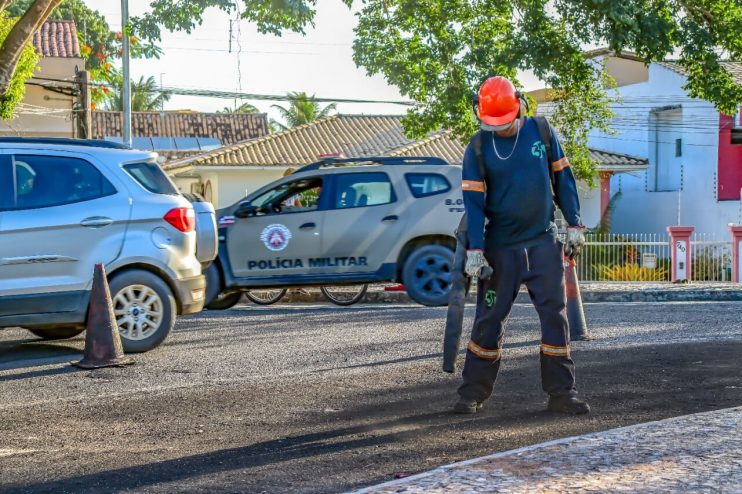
[{"x": 323, "y": 399}]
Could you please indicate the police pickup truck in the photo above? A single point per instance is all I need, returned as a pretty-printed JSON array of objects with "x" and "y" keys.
[{"x": 343, "y": 221}]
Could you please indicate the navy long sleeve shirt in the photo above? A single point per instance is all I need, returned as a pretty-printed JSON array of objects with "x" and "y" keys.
[{"x": 518, "y": 204}]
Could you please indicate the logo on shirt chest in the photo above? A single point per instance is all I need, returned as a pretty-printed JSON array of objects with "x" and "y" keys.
[{"x": 538, "y": 149}]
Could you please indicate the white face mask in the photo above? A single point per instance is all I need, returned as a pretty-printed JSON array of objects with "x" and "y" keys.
[{"x": 496, "y": 128}]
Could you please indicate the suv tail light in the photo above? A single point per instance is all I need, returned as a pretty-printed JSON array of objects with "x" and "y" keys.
[{"x": 184, "y": 219}]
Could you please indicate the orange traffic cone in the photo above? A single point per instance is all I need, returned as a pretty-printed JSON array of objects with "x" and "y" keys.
[
  {"x": 575, "y": 313},
  {"x": 102, "y": 341}
]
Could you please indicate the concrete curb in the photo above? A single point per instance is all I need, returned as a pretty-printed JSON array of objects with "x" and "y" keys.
[{"x": 588, "y": 296}]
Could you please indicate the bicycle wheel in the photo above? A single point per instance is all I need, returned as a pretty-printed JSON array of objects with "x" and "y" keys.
[
  {"x": 344, "y": 295},
  {"x": 267, "y": 296}
]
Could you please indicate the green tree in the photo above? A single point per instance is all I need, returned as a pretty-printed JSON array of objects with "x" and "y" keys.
[
  {"x": 100, "y": 46},
  {"x": 17, "y": 57},
  {"x": 302, "y": 109},
  {"x": 438, "y": 51},
  {"x": 145, "y": 96},
  {"x": 243, "y": 108}
]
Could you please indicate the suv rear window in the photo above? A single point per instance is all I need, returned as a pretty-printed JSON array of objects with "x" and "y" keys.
[
  {"x": 151, "y": 177},
  {"x": 427, "y": 184}
]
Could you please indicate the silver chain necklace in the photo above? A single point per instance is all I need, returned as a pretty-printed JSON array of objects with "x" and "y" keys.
[{"x": 515, "y": 145}]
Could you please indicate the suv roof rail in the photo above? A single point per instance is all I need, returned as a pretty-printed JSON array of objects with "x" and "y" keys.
[
  {"x": 375, "y": 160},
  {"x": 63, "y": 141}
]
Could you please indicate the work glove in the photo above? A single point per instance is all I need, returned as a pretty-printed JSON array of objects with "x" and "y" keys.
[
  {"x": 475, "y": 262},
  {"x": 575, "y": 241}
]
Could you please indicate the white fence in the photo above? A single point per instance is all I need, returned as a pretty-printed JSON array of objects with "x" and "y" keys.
[
  {"x": 711, "y": 259},
  {"x": 646, "y": 257}
]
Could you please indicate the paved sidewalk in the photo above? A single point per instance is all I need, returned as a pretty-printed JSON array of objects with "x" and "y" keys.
[{"x": 693, "y": 453}]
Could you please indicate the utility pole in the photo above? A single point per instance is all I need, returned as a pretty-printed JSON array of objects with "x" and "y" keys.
[{"x": 127, "y": 76}]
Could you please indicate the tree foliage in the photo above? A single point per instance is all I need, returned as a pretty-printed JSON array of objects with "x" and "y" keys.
[
  {"x": 14, "y": 51},
  {"x": 243, "y": 108},
  {"x": 99, "y": 45},
  {"x": 24, "y": 70},
  {"x": 302, "y": 110},
  {"x": 145, "y": 95},
  {"x": 437, "y": 52}
]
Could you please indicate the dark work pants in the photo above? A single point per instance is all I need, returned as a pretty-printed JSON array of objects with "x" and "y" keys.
[{"x": 541, "y": 268}]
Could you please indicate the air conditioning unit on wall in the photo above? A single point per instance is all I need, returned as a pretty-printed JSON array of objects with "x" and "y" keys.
[{"x": 197, "y": 188}]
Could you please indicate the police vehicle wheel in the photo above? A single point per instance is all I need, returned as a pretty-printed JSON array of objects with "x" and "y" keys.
[
  {"x": 58, "y": 333},
  {"x": 344, "y": 295},
  {"x": 265, "y": 297},
  {"x": 225, "y": 301},
  {"x": 427, "y": 274}
]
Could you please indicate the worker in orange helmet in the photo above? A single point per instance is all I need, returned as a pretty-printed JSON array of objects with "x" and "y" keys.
[{"x": 514, "y": 174}]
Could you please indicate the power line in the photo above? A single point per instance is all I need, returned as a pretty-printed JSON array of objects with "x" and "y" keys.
[{"x": 211, "y": 93}]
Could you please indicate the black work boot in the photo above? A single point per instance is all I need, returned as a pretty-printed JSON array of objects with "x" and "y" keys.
[
  {"x": 567, "y": 404},
  {"x": 467, "y": 406}
]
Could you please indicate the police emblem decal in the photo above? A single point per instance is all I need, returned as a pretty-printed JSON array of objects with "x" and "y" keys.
[{"x": 275, "y": 237}]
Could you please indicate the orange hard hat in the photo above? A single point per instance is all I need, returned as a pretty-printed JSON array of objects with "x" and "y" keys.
[{"x": 498, "y": 102}]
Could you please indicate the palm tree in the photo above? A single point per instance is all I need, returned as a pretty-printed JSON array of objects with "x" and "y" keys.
[
  {"x": 302, "y": 109},
  {"x": 145, "y": 96},
  {"x": 243, "y": 108}
]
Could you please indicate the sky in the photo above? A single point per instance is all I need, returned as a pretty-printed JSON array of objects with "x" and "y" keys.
[{"x": 318, "y": 63}]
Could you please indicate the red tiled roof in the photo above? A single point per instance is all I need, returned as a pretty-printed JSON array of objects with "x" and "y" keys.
[
  {"x": 57, "y": 39},
  {"x": 229, "y": 128},
  {"x": 350, "y": 135},
  {"x": 355, "y": 136}
]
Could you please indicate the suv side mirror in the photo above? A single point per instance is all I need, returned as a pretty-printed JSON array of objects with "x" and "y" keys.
[{"x": 246, "y": 210}]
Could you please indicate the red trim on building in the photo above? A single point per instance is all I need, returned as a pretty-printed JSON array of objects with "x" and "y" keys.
[{"x": 729, "y": 171}]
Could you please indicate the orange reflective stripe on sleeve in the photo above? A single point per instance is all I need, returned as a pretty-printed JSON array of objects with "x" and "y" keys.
[
  {"x": 560, "y": 165},
  {"x": 483, "y": 352},
  {"x": 472, "y": 186},
  {"x": 555, "y": 351}
]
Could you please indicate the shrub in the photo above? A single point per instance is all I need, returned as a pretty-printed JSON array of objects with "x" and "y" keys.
[{"x": 632, "y": 272}]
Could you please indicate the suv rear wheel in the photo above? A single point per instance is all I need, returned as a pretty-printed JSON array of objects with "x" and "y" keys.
[
  {"x": 427, "y": 274},
  {"x": 145, "y": 309}
]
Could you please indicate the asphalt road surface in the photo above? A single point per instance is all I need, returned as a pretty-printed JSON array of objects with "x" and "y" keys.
[{"x": 325, "y": 399}]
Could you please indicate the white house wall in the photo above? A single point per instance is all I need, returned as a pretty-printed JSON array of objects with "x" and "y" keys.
[
  {"x": 43, "y": 112},
  {"x": 589, "y": 204},
  {"x": 641, "y": 209},
  {"x": 228, "y": 185}
]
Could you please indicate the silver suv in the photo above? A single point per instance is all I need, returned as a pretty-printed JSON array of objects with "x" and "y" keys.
[
  {"x": 343, "y": 221},
  {"x": 67, "y": 204}
]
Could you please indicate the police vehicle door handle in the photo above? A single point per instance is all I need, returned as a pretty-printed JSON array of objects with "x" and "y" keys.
[
  {"x": 391, "y": 218},
  {"x": 96, "y": 222},
  {"x": 307, "y": 226}
]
